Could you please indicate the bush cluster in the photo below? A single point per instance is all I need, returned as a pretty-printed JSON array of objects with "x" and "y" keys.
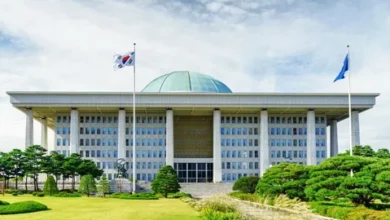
[
  {"x": 179, "y": 195},
  {"x": 218, "y": 208},
  {"x": 22, "y": 207},
  {"x": 4, "y": 203},
  {"x": 138, "y": 196},
  {"x": 66, "y": 194},
  {"x": 246, "y": 184},
  {"x": 38, "y": 194},
  {"x": 246, "y": 196}
]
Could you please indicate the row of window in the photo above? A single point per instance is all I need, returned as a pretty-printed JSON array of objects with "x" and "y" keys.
[
  {"x": 140, "y": 176},
  {"x": 112, "y": 130},
  {"x": 139, "y": 165},
  {"x": 114, "y": 119},
  {"x": 240, "y": 142},
  {"x": 113, "y": 142},
  {"x": 114, "y": 153},
  {"x": 235, "y": 176},
  {"x": 295, "y": 131},
  {"x": 162, "y": 119},
  {"x": 294, "y": 120},
  {"x": 295, "y": 142},
  {"x": 240, "y": 165},
  {"x": 239, "y": 119},
  {"x": 239, "y": 131},
  {"x": 295, "y": 154},
  {"x": 240, "y": 154}
]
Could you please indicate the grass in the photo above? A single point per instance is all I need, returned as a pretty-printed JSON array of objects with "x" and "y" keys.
[{"x": 104, "y": 208}]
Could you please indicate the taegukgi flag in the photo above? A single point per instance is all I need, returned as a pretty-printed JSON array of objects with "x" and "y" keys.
[{"x": 122, "y": 60}]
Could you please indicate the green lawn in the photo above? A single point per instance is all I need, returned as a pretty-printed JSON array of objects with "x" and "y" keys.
[{"x": 104, "y": 208}]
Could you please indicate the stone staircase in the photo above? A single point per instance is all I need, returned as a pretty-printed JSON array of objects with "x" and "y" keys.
[{"x": 204, "y": 190}]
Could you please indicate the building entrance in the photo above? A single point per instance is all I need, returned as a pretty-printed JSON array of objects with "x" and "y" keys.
[{"x": 194, "y": 172}]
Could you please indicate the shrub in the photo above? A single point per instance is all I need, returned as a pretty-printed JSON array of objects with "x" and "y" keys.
[
  {"x": 65, "y": 194},
  {"x": 246, "y": 184},
  {"x": 217, "y": 203},
  {"x": 4, "y": 203},
  {"x": 332, "y": 210},
  {"x": 40, "y": 194},
  {"x": 15, "y": 194},
  {"x": 166, "y": 181},
  {"x": 138, "y": 196},
  {"x": 50, "y": 187},
  {"x": 245, "y": 196},
  {"x": 216, "y": 215},
  {"x": 284, "y": 178},
  {"x": 22, "y": 207},
  {"x": 367, "y": 214},
  {"x": 104, "y": 186},
  {"x": 179, "y": 195}
]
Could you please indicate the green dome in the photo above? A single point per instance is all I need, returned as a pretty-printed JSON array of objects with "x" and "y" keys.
[{"x": 186, "y": 81}]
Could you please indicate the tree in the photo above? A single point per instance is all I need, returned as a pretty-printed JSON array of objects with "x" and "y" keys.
[
  {"x": 50, "y": 187},
  {"x": 87, "y": 185},
  {"x": 104, "y": 186},
  {"x": 365, "y": 151},
  {"x": 284, "y": 178},
  {"x": 53, "y": 164},
  {"x": 331, "y": 179},
  {"x": 70, "y": 167},
  {"x": 4, "y": 168},
  {"x": 166, "y": 181},
  {"x": 89, "y": 167},
  {"x": 33, "y": 166},
  {"x": 16, "y": 161},
  {"x": 246, "y": 184},
  {"x": 383, "y": 153}
]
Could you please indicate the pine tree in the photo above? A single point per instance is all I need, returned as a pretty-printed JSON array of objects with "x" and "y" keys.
[
  {"x": 50, "y": 187},
  {"x": 104, "y": 186},
  {"x": 87, "y": 185},
  {"x": 166, "y": 181}
]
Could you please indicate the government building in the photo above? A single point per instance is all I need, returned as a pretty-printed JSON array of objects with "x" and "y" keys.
[{"x": 195, "y": 123}]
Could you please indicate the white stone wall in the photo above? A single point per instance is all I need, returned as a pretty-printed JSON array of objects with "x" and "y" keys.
[{"x": 239, "y": 160}]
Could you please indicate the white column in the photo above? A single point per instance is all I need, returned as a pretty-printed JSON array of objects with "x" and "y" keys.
[
  {"x": 44, "y": 133},
  {"x": 355, "y": 129},
  {"x": 29, "y": 127},
  {"x": 311, "y": 138},
  {"x": 74, "y": 131},
  {"x": 334, "y": 142},
  {"x": 264, "y": 147},
  {"x": 169, "y": 136},
  {"x": 217, "y": 161},
  {"x": 122, "y": 133}
]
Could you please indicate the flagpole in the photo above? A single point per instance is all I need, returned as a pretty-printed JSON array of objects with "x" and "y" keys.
[
  {"x": 134, "y": 121},
  {"x": 349, "y": 106}
]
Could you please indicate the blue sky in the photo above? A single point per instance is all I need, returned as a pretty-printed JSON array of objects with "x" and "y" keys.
[{"x": 268, "y": 46}]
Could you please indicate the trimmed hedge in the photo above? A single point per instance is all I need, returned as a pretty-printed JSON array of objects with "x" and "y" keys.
[
  {"x": 22, "y": 207},
  {"x": 333, "y": 210},
  {"x": 139, "y": 196},
  {"x": 179, "y": 195},
  {"x": 4, "y": 203},
  {"x": 66, "y": 194}
]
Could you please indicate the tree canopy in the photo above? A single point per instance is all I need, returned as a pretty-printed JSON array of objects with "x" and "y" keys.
[{"x": 166, "y": 181}]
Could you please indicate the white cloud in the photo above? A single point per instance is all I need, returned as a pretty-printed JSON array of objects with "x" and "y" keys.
[{"x": 273, "y": 46}]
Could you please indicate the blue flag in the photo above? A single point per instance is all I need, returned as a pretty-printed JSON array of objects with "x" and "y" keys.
[{"x": 343, "y": 70}]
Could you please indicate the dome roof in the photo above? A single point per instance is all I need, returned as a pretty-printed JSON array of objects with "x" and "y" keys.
[{"x": 186, "y": 81}]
